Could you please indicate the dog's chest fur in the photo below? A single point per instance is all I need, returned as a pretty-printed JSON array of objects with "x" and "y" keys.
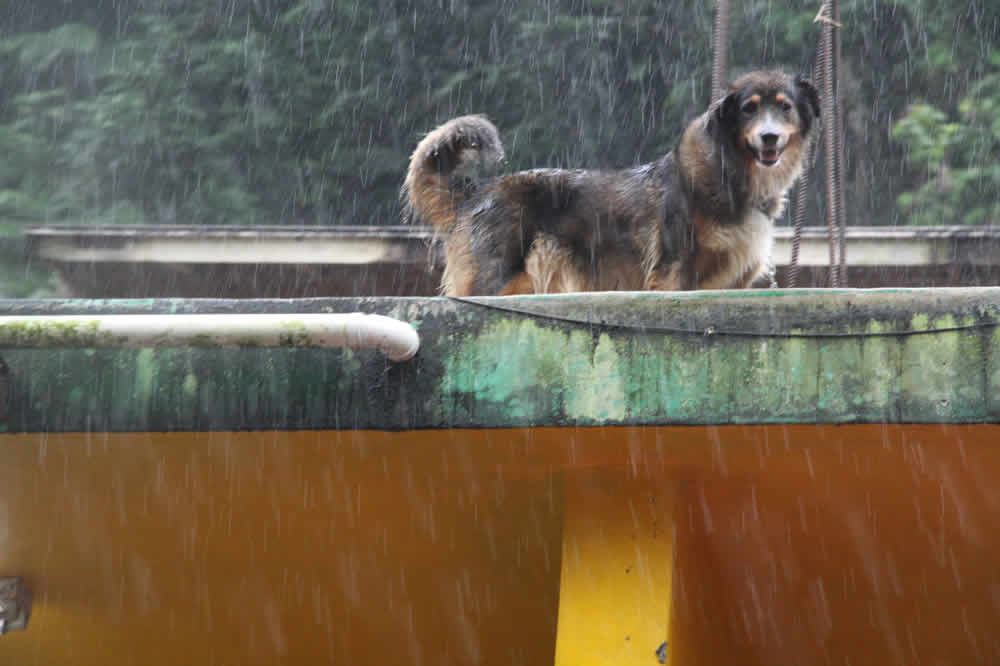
[{"x": 746, "y": 247}]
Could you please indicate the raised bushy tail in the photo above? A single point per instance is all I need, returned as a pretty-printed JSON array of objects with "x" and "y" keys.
[{"x": 429, "y": 193}]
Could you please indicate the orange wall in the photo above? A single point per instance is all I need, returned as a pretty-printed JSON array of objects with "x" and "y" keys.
[{"x": 794, "y": 544}]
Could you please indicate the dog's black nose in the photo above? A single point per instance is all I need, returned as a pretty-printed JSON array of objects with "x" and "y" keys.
[{"x": 769, "y": 139}]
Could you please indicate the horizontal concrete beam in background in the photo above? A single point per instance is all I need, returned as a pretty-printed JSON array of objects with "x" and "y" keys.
[
  {"x": 229, "y": 245},
  {"x": 868, "y": 246}
]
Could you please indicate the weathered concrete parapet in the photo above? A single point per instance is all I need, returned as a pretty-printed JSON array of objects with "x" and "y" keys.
[{"x": 794, "y": 356}]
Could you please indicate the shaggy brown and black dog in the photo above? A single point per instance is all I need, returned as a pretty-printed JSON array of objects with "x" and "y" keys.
[{"x": 700, "y": 217}]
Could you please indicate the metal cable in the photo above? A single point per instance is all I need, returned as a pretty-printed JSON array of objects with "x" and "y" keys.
[
  {"x": 798, "y": 219},
  {"x": 710, "y": 331},
  {"x": 838, "y": 110},
  {"x": 720, "y": 45},
  {"x": 801, "y": 201},
  {"x": 824, "y": 61}
]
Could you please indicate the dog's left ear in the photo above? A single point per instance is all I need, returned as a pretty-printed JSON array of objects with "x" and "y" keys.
[
  {"x": 808, "y": 91},
  {"x": 729, "y": 110}
]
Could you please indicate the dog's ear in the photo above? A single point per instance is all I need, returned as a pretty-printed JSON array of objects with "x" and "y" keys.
[
  {"x": 728, "y": 111},
  {"x": 808, "y": 92}
]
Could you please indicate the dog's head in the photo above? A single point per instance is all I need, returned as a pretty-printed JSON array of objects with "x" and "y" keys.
[{"x": 766, "y": 113}]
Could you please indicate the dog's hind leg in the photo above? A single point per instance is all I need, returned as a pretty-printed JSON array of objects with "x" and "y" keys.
[
  {"x": 550, "y": 266},
  {"x": 668, "y": 277},
  {"x": 751, "y": 275},
  {"x": 459, "y": 272},
  {"x": 520, "y": 284}
]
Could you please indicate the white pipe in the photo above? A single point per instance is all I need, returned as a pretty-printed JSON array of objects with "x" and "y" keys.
[{"x": 356, "y": 330}]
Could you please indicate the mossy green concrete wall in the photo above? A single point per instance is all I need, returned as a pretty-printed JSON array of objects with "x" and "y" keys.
[{"x": 829, "y": 356}]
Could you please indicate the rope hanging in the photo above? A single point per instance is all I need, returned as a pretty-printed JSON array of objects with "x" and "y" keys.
[
  {"x": 838, "y": 110},
  {"x": 824, "y": 62},
  {"x": 826, "y": 77},
  {"x": 721, "y": 39},
  {"x": 801, "y": 199}
]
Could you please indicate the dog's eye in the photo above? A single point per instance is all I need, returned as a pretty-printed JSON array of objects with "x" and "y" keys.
[
  {"x": 786, "y": 107},
  {"x": 750, "y": 107}
]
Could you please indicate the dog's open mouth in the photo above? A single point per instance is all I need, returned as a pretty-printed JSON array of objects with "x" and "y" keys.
[{"x": 766, "y": 156}]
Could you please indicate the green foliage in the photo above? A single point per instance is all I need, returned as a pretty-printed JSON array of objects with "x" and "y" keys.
[
  {"x": 40, "y": 50},
  {"x": 18, "y": 277},
  {"x": 304, "y": 111},
  {"x": 955, "y": 163}
]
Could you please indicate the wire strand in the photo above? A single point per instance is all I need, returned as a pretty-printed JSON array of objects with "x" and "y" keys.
[
  {"x": 801, "y": 200},
  {"x": 711, "y": 331}
]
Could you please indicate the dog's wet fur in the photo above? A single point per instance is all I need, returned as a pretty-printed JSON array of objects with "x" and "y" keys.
[{"x": 700, "y": 217}]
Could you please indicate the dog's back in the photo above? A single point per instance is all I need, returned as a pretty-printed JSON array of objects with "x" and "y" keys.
[{"x": 551, "y": 230}]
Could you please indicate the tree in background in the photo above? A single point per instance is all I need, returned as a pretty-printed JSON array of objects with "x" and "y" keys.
[
  {"x": 283, "y": 111},
  {"x": 956, "y": 155}
]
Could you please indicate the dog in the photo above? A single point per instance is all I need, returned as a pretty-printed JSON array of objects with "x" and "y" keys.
[{"x": 700, "y": 217}]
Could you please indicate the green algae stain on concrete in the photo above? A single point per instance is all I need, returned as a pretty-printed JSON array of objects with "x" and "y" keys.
[
  {"x": 649, "y": 390},
  {"x": 776, "y": 377},
  {"x": 598, "y": 389},
  {"x": 53, "y": 334},
  {"x": 516, "y": 371},
  {"x": 527, "y": 373},
  {"x": 874, "y": 388},
  {"x": 939, "y": 370},
  {"x": 512, "y": 368},
  {"x": 294, "y": 334},
  {"x": 189, "y": 386},
  {"x": 993, "y": 375},
  {"x": 683, "y": 370},
  {"x": 146, "y": 369}
]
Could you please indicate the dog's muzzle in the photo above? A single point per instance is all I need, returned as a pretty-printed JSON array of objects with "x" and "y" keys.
[{"x": 767, "y": 142}]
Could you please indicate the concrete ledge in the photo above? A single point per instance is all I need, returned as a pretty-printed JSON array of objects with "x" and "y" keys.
[{"x": 748, "y": 357}]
